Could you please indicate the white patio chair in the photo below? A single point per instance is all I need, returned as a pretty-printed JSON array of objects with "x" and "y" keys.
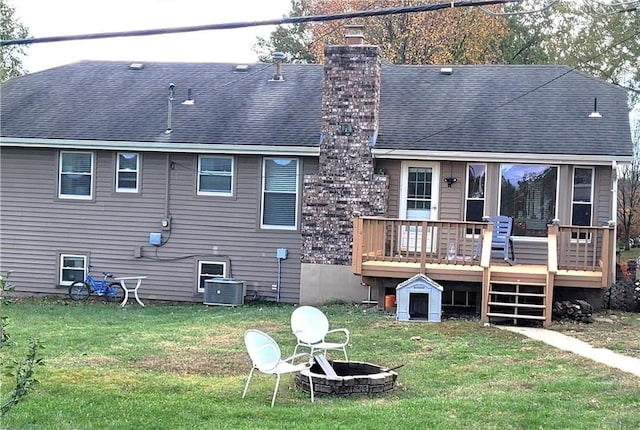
[
  {"x": 266, "y": 357},
  {"x": 310, "y": 326}
]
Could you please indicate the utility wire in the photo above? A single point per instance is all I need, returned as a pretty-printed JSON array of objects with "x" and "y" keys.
[
  {"x": 245, "y": 24},
  {"x": 526, "y": 93}
]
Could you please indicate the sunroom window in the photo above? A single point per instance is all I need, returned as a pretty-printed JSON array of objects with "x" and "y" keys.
[
  {"x": 280, "y": 193},
  {"x": 75, "y": 175},
  {"x": 528, "y": 195},
  {"x": 476, "y": 178},
  {"x": 127, "y": 172},
  {"x": 582, "y": 201}
]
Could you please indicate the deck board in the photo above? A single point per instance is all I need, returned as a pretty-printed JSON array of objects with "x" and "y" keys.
[{"x": 473, "y": 273}]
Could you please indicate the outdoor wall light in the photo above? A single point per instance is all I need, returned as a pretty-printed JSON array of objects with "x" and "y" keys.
[
  {"x": 346, "y": 128},
  {"x": 450, "y": 181}
]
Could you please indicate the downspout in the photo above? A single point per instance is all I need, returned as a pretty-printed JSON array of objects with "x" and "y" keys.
[
  {"x": 614, "y": 217},
  {"x": 167, "y": 187}
]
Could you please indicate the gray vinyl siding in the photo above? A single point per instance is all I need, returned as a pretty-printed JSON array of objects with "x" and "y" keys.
[
  {"x": 113, "y": 225},
  {"x": 452, "y": 203}
]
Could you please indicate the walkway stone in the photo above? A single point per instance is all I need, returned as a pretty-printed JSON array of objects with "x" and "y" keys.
[{"x": 576, "y": 346}]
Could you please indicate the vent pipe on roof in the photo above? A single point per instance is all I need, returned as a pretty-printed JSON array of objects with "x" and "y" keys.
[
  {"x": 278, "y": 58},
  {"x": 189, "y": 100},
  {"x": 170, "y": 107},
  {"x": 595, "y": 113}
]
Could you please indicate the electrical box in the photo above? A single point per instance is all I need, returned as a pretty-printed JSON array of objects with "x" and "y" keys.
[
  {"x": 281, "y": 253},
  {"x": 166, "y": 223},
  {"x": 155, "y": 239}
]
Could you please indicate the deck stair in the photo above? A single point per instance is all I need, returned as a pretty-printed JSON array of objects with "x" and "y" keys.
[{"x": 517, "y": 294}]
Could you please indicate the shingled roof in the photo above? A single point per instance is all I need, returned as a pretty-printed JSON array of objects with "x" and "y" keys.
[{"x": 494, "y": 108}]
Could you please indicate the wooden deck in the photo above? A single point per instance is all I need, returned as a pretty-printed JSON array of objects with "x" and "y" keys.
[{"x": 400, "y": 249}]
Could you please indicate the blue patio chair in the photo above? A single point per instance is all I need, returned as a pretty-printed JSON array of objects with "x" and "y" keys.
[{"x": 501, "y": 240}]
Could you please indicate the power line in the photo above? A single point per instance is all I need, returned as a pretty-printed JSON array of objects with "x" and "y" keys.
[
  {"x": 245, "y": 24},
  {"x": 526, "y": 93}
]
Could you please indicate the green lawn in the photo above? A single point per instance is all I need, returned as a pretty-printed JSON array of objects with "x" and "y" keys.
[{"x": 184, "y": 367}]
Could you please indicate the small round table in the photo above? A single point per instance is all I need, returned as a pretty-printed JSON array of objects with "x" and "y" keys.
[{"x": 126, "y": 289}]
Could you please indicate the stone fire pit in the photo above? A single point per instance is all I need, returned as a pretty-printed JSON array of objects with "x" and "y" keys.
[{"x": 353, "y": 378}]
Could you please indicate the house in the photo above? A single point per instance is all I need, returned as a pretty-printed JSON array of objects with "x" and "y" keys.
[{"x": 304, "y": 181}]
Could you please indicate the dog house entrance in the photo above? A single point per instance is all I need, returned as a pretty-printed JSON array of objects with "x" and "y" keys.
[{"x": 418, "y": 306}]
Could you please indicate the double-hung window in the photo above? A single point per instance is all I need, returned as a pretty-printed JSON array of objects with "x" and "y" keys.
[
  {"x": 73, "y": 268},
  {"x": 476, "y": 181},
  {"x": 528, "y": 195},
  {"x": 210, "y": 270},
  {"x": 279, "y": 192},
  {"x": 75, "y": 179},
  {"x": 215, "y": 175},
  {"x": 582, "y": 199},
  {"x": 127, "y": 172}
]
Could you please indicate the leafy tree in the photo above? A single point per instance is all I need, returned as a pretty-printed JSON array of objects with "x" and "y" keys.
[
  {"x": 462, "y": 36},
  {"x": 598, "y": 40},
  {"x": 629, "y": 195},
  {"x": 11, "y": 56}
]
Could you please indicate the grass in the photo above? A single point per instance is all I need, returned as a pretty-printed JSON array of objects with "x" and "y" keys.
[{"x": 184, "y": 367}]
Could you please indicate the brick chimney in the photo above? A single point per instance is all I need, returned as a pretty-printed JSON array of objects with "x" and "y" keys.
[{"x": 346, "y": 185}]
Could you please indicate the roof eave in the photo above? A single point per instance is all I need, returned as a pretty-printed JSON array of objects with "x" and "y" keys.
[
  {"x": 500, "y": 157},
  {"x": 202, "y": 148}
]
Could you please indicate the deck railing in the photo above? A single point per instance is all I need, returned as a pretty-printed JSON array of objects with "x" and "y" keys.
[
  {"x": 585, "y": 248},
  {"x": 458, "y": 243},
  {"x": 416, "y": 241}
]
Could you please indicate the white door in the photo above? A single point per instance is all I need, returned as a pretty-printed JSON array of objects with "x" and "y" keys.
[{"x": 418, "y": 200}]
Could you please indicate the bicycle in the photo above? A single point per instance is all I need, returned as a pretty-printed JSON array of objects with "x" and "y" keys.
[{"x": 81, "y": 290}]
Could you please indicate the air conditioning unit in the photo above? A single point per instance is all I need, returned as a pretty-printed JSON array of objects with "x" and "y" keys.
[{"x": 223, "y": 292}]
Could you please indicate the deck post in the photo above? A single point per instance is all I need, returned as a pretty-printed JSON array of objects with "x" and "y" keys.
[
  {"x": 423, "y": 249},
  {"x": 357, "y": 249},
  {"x": 607, "y": 241},
  {"x": 552, "y": 269},
  {"x": 485, "y": 263}
]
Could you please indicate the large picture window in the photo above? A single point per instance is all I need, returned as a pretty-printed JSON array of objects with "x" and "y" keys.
[
  {"x": 73, "y": 268},
  {"x": 280, "y": 193},
  {"x": 215, "y": 175},
  {"x": 528, "y": 195},
  {"x": 75, "y": 175},
  {"x": 210, "y": 270},
  {"x": 127, "y": 172}
]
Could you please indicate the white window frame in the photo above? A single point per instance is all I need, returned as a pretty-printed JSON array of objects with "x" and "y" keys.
[
  {"x": 468, "y": 198},
  {"x": 204, "y": 276},
  {"x": 63, "y": 267},
  {"x": 90, "y": 174},
  {"x": 264, "y": 191},
  {"x": 215, "y": 173},
  {"x": 124, "y": 170},
  {"x": 574, "y": 236}
]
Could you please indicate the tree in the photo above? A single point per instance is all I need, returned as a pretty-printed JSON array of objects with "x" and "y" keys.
[
  {"x": 462, "y": 36},
  {"x": 11, "y": 56},
  {"x": 600, "y": 41},
  {"x": 629, "y": 194}
]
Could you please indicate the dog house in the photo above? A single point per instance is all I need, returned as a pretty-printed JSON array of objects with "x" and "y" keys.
[{"x": 419, "y": 299}]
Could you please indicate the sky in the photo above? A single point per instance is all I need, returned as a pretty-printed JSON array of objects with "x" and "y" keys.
[{"x": 69, "y": 17}]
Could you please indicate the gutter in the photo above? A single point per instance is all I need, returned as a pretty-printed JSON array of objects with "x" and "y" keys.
[
  {"x": 492, "y": 157},
  {"x": 201, "y": 148}
]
